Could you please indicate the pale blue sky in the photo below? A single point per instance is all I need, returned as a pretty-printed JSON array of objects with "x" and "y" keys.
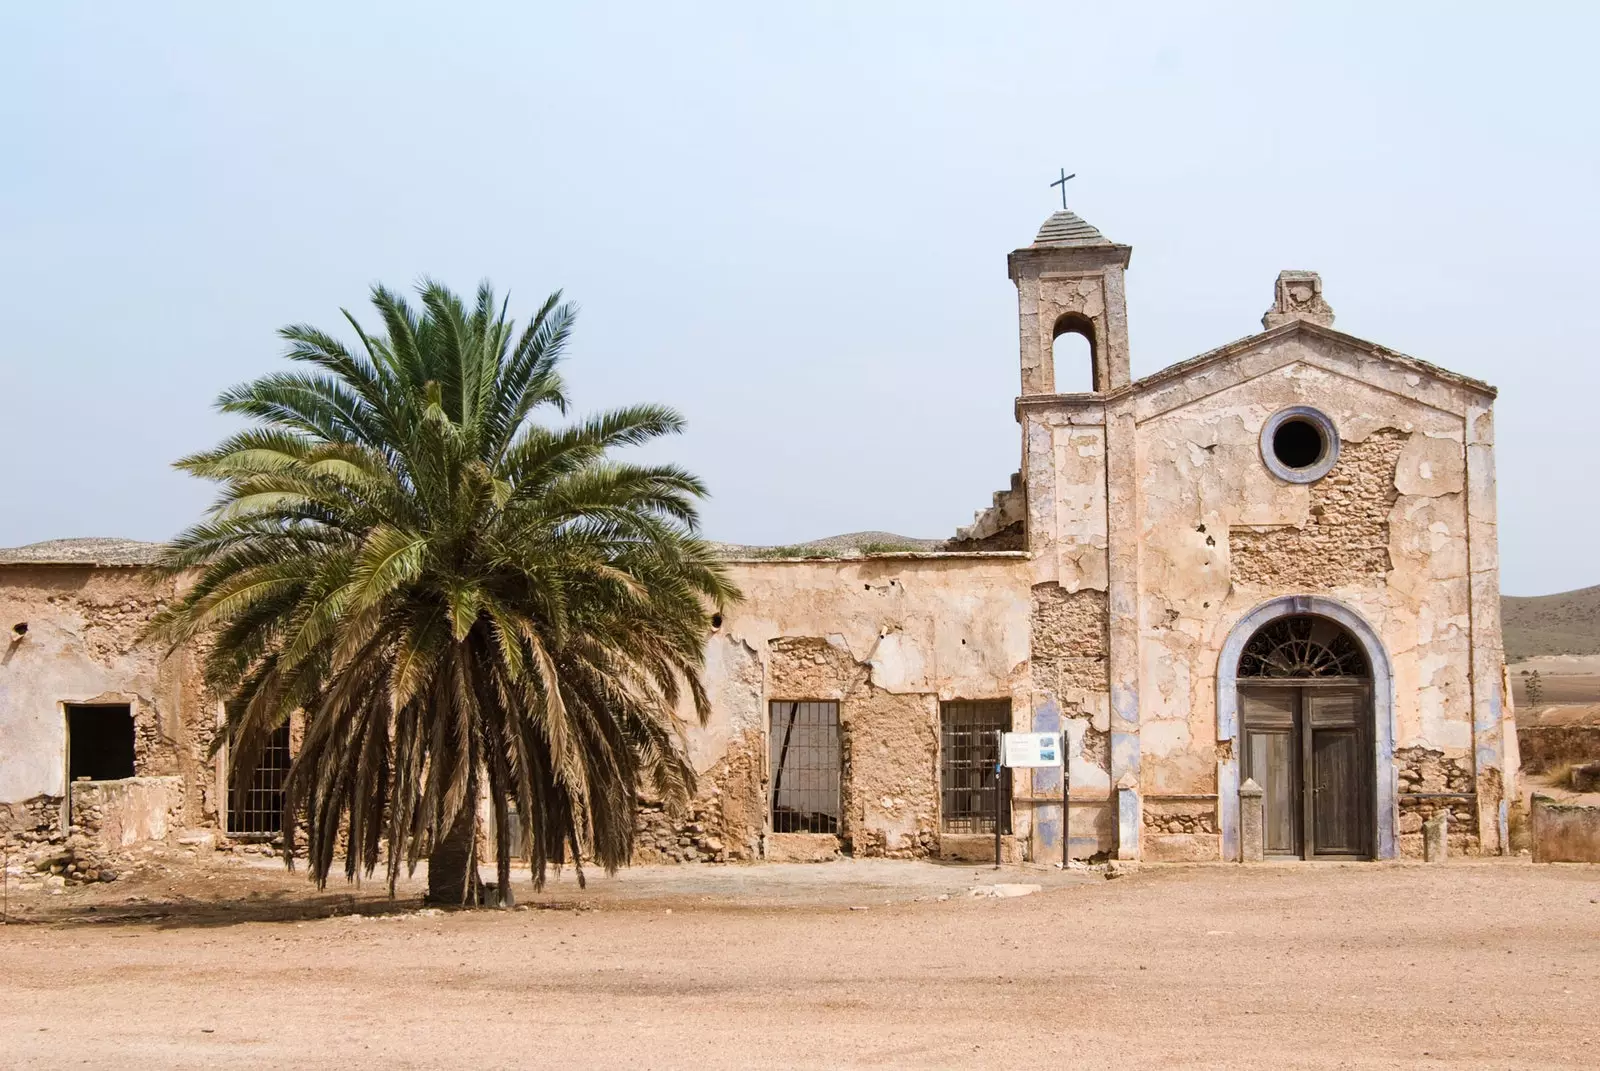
[{"x": 789, "y": 223}]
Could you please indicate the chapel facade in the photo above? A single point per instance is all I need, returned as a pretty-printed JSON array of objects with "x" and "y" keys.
[{"x": 1269, "y": 568}]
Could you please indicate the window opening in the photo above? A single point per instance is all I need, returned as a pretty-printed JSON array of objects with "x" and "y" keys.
[
  {"x": 968, "y": 752},
  {"x": 260, "y": 810},
  {"x": 99, "y": 742},
  {"x": 1072, "y": 355},
  {"x": 1302, "y": 645},
  {"x": 1298, "y": 443},
  {"x": 804, "y": 745}
]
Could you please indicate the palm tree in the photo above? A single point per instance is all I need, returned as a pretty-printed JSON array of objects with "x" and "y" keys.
[{"x": 457, "y": 596}]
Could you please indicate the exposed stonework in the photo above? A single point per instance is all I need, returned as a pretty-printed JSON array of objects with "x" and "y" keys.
[
  {"x": 1463, "y": 838},
  {"x": 722, "y": 822},
  {"x": 1422, "y": 769},
  {"x": 1097, "y": 748},
  {"x": 889, "y": 745},
  {"x": 1174, "y": 816},
  {"x": 1346, "y": 535},
  {"x": 1069, "y": 641}
]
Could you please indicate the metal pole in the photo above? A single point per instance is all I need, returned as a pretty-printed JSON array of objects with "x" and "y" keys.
[
  {"x": 1066, "y": 785},
  {"x": 999, "y": 767}
]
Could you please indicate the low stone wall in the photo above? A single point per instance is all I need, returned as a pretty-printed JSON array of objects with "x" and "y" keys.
[
  {"x": 119, "y": 814},
  {"x": 1180, "y": 831},
  {"x": 1545, "y": 747},
  {"x": 1565, "y": 831},
  {"x": 1414, "y": 811},
  {"x": 31, "y": 821}
]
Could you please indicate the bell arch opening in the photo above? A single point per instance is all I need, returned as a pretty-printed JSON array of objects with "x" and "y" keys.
[
  {"x": 1073, "y": 355},
  {"x": 1305, "y": 709}
]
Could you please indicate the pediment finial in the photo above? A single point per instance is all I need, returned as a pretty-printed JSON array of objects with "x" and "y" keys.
[{"x": 1298, "y": 296}]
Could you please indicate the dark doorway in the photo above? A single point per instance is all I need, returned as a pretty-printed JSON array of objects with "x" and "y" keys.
[
  {"x": 99, "y": 742},
  {"x": 1306, "y": 706}
]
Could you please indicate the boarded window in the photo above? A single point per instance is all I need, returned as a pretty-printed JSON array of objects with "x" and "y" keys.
[
  {"x": 99, "y": 742},
  {"x": 968, "y": 751},
  {"x": 804, "y": 743},
  {"x": 260, "y": 810}
]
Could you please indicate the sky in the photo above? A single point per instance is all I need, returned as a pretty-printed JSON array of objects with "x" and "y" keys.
[{"x": 790, "y": 222}]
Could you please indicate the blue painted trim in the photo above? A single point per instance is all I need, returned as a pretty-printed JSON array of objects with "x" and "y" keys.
[{"x": 1386, "y": 782}]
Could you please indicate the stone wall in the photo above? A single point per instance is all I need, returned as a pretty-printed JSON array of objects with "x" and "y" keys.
[
  {"x": 1346, "y": 535},
  {"x": 85, "y": 643},
  {"x": 888, "y": 639},
  {"x": 1545, "y": 747},
  {"x": 1385, "y": 534}
]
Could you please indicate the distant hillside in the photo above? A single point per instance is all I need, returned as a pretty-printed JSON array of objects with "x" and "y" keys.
[{"x": 1565, "y": 623}]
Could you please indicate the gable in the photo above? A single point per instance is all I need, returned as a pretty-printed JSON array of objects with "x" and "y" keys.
[{"x": 1334, "y": 352}]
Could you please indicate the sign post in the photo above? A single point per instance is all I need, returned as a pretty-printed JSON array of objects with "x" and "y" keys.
[{"x": 1030, "y": 751}]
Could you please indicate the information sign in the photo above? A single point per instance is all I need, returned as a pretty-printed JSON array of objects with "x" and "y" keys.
[{"x": 1031, "y": 749}]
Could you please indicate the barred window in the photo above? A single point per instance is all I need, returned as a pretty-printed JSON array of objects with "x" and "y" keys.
[
  {"x": 804, "y": 743},
  {"x": 968, "y": 752},
  {"x": 261, "y": 812}
]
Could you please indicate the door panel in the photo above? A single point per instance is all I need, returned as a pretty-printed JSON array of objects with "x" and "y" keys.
[
  {"x": 1336, "y": 809},
  {"x": 1272, "y": 765},
  {"x": 1307, "y": 749},
  {"x": 1271, "y": 758},
  {"x": 1337, "y": 786}
]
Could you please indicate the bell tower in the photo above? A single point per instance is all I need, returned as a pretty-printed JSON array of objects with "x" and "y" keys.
[{"x": 1069, "y": 281}]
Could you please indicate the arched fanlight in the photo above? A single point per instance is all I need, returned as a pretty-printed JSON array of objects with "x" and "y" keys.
[{"x": 1302, "y": 646}]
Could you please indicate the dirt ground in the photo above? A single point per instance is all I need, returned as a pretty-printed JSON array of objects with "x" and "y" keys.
[{"x": 848, "y": 964}]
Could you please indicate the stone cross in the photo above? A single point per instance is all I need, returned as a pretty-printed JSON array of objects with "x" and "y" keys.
[{"x": 1062, "y": 182}]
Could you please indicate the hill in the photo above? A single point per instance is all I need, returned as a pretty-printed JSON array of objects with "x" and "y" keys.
[{"x": 1565, "y": 623}]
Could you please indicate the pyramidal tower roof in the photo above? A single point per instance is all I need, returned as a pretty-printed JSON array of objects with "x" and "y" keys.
[{"x": 1068, "y": 229}]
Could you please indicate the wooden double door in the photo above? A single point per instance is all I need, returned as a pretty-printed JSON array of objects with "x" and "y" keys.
[{"x": 1309, "y": 746}]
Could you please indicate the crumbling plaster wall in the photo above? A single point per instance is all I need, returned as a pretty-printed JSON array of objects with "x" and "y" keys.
[
  {"x": 1069, "y": 535},
  {"x": 82, "y": 645},
  {"x": 1386, "y": 532},
  {"x": 889, "y": 638}
]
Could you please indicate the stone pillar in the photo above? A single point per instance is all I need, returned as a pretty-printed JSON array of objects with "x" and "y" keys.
[
  {"x": 1129, "y": 817},
  {"x": 1252, "y": 827},
  {"x": 1436, "y": 838}
]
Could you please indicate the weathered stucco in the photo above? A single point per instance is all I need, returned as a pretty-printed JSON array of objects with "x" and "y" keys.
[
  {"x": 82, "y": 644},
  {"x": 888, "y": 638},
  {"x": 1154, "y": 529}
]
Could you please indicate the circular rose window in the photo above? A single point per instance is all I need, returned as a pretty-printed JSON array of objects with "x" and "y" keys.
[{"x": 1299, "y": 444}]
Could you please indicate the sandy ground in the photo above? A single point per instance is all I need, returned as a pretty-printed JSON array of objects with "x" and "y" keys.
[{"x": 849, "y": 964}]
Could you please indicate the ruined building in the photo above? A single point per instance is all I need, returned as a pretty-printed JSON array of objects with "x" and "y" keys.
[{"x": 1274, "y": 561}]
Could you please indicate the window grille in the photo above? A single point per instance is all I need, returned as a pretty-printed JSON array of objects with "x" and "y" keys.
[
  {"x": 804, "y": 743},
  {"x": 968, "y": 752},
  {"x": 260, "y": 813},
  {"x": 1302, "y": 646}
]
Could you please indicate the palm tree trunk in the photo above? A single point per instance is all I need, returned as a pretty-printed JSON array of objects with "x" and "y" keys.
[{"x": 453, "y": 863}]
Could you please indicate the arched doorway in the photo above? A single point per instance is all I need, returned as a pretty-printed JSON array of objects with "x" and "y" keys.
[
  {"x": 1304, "y": 698},
  {"x": 1305, "y": 718}
]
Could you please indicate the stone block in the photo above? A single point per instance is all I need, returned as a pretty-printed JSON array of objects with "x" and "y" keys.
[
  {"x": 1586, "y": 777},
  {"x": 1252, "y": 829},
  {"x": 1436, "y": 838},
  {"x": 1565, "y": 832},
  {"x": 1183, "y": 847},
  {"x": 802, "y": 847},
  {"x": 978, "y": 848}
]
